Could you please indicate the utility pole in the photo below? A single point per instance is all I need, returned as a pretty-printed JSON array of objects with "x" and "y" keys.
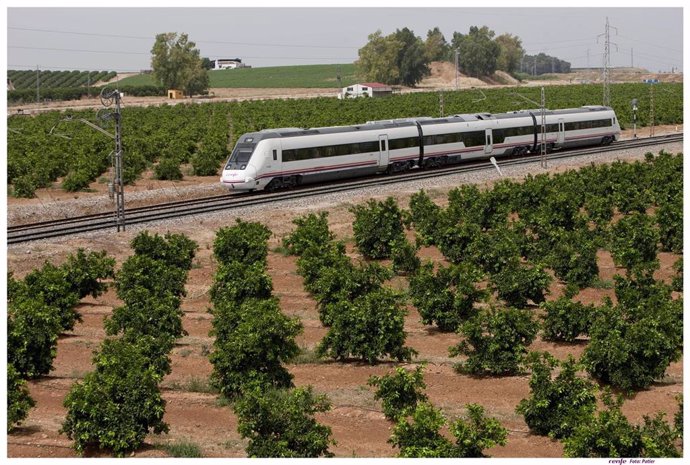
[
  {"x": 607, "y": 61},
  {"x": 534, "y": 67},
  {"x": 588, "y": 59},
  {"x": 542, "y": 158},
  {"x": 117, "y": 189},
  {"x": 631, "y": 58},
  {"x": 457, "y": 68},
  {"x": 440, "y": 103},
  {"x": 38, "y": 85},
  {"x": 651, "y": 110}
]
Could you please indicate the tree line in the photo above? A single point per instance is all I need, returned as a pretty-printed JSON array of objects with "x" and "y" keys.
[{"x": 403, "y": 58}]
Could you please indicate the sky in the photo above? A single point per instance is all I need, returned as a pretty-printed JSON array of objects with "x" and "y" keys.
[{"x": 120, "y": 39}]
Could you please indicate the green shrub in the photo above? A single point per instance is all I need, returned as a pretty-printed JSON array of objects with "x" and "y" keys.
[
  {"x": 376, "y": 227},
  {"x": 677, "y": 281},
  {"x": 19, "y": 401},
  {"x": 312, "y": 230},
  {"x": 24, "y": 186},
  {"x": 565, "y": 320},
  {"x": 50, "y": 284},
  {"x": 77, "y": 180},
  {"x": 678, "y": 417},
  {"x": 205, "y": 163},
  {"x": 517, "y": 283},
  {"x": 495, "y": 341},
  {"x": 425, "y": 215},
  {"x": 421, "y": 438},
  {"x": 142, "y": 271},
  {"x": 498, "y": 249},
  {"x": 609, "y": 434},
  {"x": 85, "y": 270},
  {"x": 346, "y": 282},
  {"x": 315, "y": 259},
  {"x": 168, "y": 169},
  {"x": 116, "y": 405},
  {"x": 176, "y": 250},
  {"x": 659, "y": 437},
  {"x": 145, "y": 314},
  {"x": 458, "y": 242},
  {"x": 631, "y": 347},
  {"x": 32, "y": 333},
  {"x": 404, "y": 255},
  {"x": 573, "y": 257},
  {"x": 235, "y": 282},
  {"x": 669, "y": 218},
  {"x": 281, "y": 423},
  {"x": 634, "y": 241},
  {"x": 368, "y": 328},
  {"x": 244, "y": 242},
  {"x": 556, "y": 405},
  {"x": 252, "y": 340},
  {"x": 400, "y": 391},
  {"x": 477, "y": 433},
  {"x": 446, "y": 298}
]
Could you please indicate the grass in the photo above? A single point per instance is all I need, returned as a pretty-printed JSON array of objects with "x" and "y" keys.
[
  {"x": 307, "y": 76},
  {"x": 193, "y": 384},
  {"x": 182, "y": 448},
  {"x": 306, "y": 356}
]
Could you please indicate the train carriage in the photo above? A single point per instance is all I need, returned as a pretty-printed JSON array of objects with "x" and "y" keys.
[{"x": 277, "y": 158}]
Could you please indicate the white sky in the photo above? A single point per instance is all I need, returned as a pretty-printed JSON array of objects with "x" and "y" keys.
[{"x": 121, "y": 38}]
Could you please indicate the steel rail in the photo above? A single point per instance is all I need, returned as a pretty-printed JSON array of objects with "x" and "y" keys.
[{"x": 97, "y": 221}]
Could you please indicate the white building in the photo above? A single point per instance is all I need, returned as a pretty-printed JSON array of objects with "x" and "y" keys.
[
  {"x": 366, "y": 89},
  {"x": 228, "y": 63}
]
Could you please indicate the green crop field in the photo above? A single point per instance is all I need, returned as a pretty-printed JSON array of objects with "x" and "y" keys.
[{"x": 313, "y": 76}]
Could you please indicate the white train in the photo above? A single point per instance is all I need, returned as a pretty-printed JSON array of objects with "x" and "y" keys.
[{"x": 277, "y": 158}]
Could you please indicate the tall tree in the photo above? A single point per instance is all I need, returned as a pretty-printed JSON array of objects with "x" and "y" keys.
[
  {"x": 436, "y": 47},
  {"x": 398, "y": 58},
  {"x": 412, "y": 60},
  {"x": 377, "y": 59},
  {"x": 176, "y": 63},
  {"x": 478, "y": 51},
  {"x": 510, "y": 54}
]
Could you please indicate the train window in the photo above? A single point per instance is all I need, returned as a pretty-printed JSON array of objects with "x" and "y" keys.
[
  {"x": 240, "y": 156},
  {"x": 383, "y": 145},
  {"x": 407, "y": 142},
  {"x": 330, "y": 151},
  {"x": 275, "y": 155},
  {"x": 577, "y": 125},
  {"x": 473, "y": 139}
]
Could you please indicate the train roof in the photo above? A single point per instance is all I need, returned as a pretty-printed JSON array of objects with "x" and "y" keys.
[{"x": 410, "y": 122}]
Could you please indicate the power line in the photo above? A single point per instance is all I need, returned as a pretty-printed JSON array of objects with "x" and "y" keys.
[
  {"x": 650, "y": 44},
  {"x": 78, "y": 50},
  {"x": 93, "y": 34},
  {"x": 149, "y": 53}
]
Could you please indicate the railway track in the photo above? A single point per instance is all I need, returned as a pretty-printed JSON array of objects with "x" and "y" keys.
[{"x": 62, "y": 227}]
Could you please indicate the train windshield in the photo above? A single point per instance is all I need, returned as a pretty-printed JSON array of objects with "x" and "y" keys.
[{"x": 240, "y": 156}]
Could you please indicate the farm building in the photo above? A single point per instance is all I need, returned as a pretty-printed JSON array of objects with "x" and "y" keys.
[
  {"x": 366, "y": 89},
  {"x": 228, "y": 63}
]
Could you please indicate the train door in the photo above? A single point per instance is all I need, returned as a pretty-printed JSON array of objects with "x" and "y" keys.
[
  {"x": 489, "y": 147},
  {"x": 383, "y": 151},
  {"x": 561, "y": 132},
  {"x": 273, "y": 158}
]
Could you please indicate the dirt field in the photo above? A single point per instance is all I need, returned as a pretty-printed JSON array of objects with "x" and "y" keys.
[
  {"x": 192, "y": 410},
  {"x": 359, "y": 427}
]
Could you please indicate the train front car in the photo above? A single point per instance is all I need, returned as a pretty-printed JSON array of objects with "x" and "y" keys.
[{"x": 244, "y": 165}]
